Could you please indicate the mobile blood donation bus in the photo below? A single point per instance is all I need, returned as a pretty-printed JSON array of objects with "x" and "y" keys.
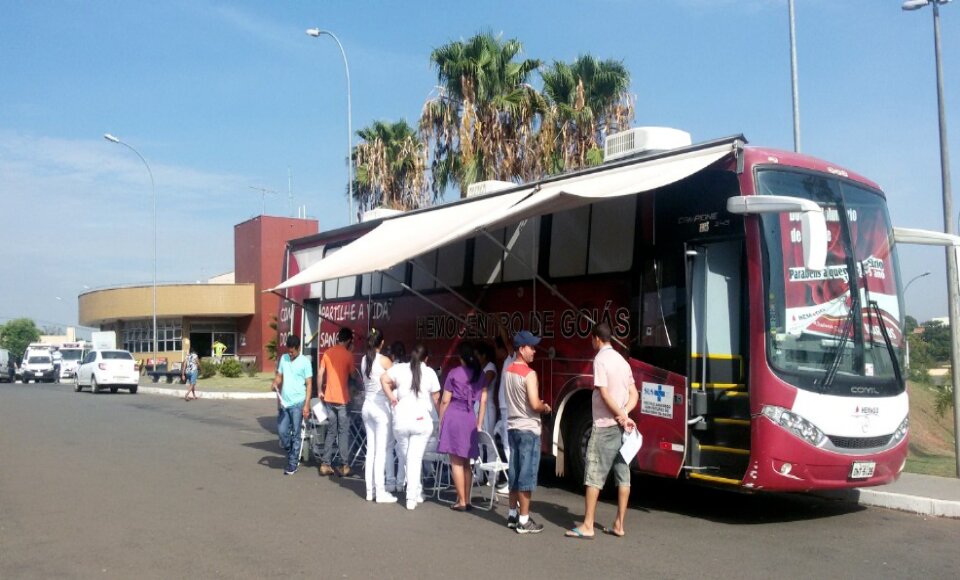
[{"x": 756, "y": 293}]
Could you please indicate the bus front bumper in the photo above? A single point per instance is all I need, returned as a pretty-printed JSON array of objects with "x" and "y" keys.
[{"x": 784, "y": 462}]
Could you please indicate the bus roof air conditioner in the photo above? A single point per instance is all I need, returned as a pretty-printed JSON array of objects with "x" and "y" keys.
[
  {"x": 643, "y": 140},
  {"x": 379, "y": 213},
  {"x": 489, "y": 186},
  {"x": 813, "y": 225}
]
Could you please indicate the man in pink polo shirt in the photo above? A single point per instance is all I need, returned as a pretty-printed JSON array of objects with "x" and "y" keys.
[{"x": 614, "y": 396}]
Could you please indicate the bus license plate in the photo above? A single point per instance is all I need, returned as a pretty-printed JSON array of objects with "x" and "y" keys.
[{"x": 862, "y": 469}]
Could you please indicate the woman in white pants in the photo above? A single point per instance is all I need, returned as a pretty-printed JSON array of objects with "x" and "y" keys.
[
  {"x": 414, "y": 390},
  {"x": 377, "y": 421}
]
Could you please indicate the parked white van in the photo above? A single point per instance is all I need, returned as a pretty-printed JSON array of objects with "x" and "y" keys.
[{"x": 7, "y": 370}]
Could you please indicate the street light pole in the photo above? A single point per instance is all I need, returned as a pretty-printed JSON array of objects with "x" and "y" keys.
[
  {"x": 953, "y": 284},
  {"x": 316, "y": 32},
  {"x": 906, "y": 338},
  {"x": 153, "y": 188},
  {"x": 793, "y": 78}
]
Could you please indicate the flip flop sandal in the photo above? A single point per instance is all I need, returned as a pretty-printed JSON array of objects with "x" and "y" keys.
[
  {"x": 612, "y": 532},
  {"x": 576, "y": 534}
]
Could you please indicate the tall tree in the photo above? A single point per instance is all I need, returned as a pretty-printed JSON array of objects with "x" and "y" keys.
[
  {"x": 391, "y": 164},
  {"x": 17, "y": 334},
  {"x": 588, "y": 100},
  {"x": 481, "y": 125}
]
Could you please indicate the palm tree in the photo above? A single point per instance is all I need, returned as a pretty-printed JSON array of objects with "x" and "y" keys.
[
  {"x": 481, "y": 125},
  {"x": 588, "y": 100},
  {"x": 391, "y": 164}
]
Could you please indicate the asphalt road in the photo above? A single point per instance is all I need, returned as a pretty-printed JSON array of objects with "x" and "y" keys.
[{"x": 140, "y": 486}]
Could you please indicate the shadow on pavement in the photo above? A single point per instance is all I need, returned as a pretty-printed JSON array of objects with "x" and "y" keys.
[
  {"x": 650, "y": 493},
  {"x": 268, "y": 423}
]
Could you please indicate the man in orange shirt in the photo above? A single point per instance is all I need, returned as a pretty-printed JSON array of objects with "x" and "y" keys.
[{"x": 337, "y": 366}]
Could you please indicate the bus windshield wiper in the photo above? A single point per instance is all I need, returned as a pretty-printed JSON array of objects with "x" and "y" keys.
[
  {"x": 838, "y": 356},
  {"x": 886, "y": 338}
]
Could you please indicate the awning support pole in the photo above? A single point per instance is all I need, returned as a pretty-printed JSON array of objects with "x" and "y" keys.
[
  {"x": 446, "y": 287},
  {"x": 553, "y": 289},
  {"x": 420, "y": 295}
]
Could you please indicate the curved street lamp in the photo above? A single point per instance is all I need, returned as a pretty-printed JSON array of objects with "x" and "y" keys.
[
  {"x": 316, "y": 33},
  {"x": 153, "y": 188},
  {"x": 953, "y": 284}
]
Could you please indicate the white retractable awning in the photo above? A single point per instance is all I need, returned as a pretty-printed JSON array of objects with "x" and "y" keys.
[
  {"x": 402, "y": 238},
  {"x": 606, "y": 184}
]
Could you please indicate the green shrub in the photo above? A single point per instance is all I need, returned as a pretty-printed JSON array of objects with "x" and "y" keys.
[
  {"x": 208, "y": 368},
  {"x": 249, "y": 367},
  {"x": 231, "y": 368}
]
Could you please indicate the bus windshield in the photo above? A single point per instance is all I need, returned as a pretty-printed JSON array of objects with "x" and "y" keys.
[{"x": 836, "y": 330}]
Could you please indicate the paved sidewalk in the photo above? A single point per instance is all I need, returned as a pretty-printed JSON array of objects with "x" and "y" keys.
[
  {"x": 921, "y": 494},
  {"x": 181, "y": 391}
]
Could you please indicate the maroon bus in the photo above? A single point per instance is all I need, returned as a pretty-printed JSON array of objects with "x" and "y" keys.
[{"x": 756, "y": 293}]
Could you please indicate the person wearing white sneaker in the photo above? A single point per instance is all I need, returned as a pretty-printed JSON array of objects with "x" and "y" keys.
[
  {"x": 413, "y": 390},
  {"x": 377, "y": 420}
]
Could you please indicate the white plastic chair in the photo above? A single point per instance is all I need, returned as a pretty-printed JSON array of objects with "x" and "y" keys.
[{"x": 489, "y": 464}]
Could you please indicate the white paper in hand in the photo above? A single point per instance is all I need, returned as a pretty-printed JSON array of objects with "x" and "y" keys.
[
  {"x": 632, "y": 442},
  {"x": 320, "y": 412}
]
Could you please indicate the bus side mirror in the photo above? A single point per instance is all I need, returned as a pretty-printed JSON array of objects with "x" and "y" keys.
[{"x": 813, "y": 226}]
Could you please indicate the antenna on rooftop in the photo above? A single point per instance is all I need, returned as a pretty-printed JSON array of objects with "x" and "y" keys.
[{"x": 263, "y": 197}]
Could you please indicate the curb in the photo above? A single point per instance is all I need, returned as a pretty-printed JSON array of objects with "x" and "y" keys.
[
  {"x": 211, "y": 395},
  {"x": 926, "y": 506},
  {"x": 910, "y": 503}
]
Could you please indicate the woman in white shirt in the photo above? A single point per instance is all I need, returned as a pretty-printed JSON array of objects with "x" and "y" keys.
[
  {"x": 377, "y": 421},
  {"x": 414, "y": 390}
]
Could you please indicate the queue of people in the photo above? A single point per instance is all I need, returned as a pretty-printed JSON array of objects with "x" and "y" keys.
[{"x": 406, "y": 411}]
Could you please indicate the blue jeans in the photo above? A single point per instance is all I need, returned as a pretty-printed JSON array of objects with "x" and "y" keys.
[
  {"x": 524, "y": 460},
  {"x": 289, "y": 421},
  {"x": 338, "y": 430}
]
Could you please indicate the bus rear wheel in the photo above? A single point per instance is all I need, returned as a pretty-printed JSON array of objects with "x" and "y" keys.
[{"x": 575, "y": 438}]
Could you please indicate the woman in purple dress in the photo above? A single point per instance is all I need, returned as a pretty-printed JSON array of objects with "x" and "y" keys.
[{"x": 459, "y": 423}]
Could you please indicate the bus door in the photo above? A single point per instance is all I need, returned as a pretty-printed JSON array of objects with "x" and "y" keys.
[{"x": 719, "y": 409}]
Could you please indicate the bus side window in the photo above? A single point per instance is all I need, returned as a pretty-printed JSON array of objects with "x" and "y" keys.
[
  {"x": 450, "y": 261},
  {"x": 424, "y": 267},
  {"x": 344, "y": 287},
  {"x": 491, "y": 264},
  {"x": 594, "y": 239},
  {"x": 568, "y": 242},
  {"x": 376, "y": 283},
  {"x": 612, "y": 226}
]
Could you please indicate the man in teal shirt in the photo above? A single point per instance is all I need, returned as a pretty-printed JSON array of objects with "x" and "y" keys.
[{"x": 294, "y": 381}]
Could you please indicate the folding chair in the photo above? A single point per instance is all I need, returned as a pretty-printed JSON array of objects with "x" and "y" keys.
[
  {"x": 358, "y": 438},
  {"x": 489, "y": 464},
  {"x": 442, "y": 479},
  {"x": 311, "y": 443}
]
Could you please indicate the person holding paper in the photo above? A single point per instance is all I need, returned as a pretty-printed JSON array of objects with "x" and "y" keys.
[
  {"x": 614, "y": 396},
  {"x": 293, "y": 381}
]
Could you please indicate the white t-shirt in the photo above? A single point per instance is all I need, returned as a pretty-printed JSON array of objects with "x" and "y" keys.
[
  {"x": 491, "y": 368},
  {"x": 409, "y": 403},
  {"x": 371, "y": 384},
  {"x": 501, "y": 394}
]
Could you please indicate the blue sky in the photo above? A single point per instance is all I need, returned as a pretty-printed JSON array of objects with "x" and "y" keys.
[{"x": 222, "y": 96}]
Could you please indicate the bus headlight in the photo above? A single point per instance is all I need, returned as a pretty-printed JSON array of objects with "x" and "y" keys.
[
  {"x": 795, "y": 424},
  {"x": 901, "y": 431}
]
